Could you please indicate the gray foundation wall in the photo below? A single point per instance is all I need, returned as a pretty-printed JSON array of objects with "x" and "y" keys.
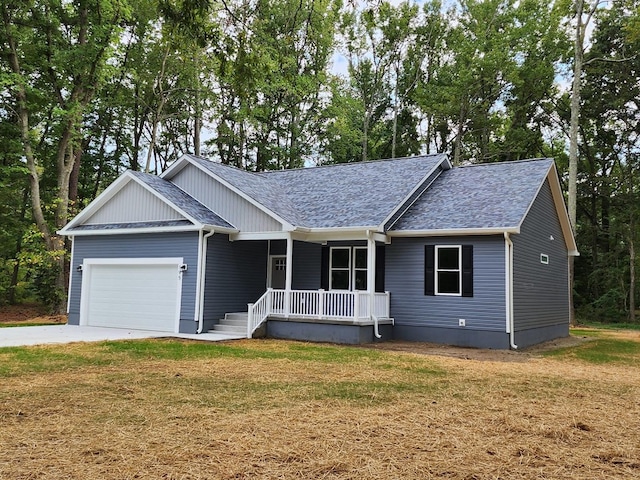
[{"x": 324, "y": 332}]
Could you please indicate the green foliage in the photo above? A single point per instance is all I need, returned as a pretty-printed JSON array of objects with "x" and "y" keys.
[
  {"x": 42, "y": 269},
  {"x": 251, "y": 82}
]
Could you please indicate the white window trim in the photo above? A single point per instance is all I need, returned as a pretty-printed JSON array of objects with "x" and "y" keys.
[
  {"x": 339, "y": 269},
  {"x": 544, "y": 259},
  {"x": 351, "y": 268},
  {"x": 436, "y": 270},
  {"x": 354, "y": 269}
]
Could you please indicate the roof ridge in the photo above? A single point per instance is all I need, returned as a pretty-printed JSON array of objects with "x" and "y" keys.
[
  {"x": 233, "y": 167},
  {"x": 344, "y": 164},
  {"x": 506, "y": 162}
]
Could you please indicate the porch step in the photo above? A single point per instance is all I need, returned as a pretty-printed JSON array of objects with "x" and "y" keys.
[{"x": 232, "y": 323}]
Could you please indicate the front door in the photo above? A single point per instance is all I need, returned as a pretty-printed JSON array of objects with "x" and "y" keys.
[{"x": 278, "y": 272}]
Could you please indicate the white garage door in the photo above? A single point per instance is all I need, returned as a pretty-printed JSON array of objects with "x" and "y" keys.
[{"x": 142, "y": 294}]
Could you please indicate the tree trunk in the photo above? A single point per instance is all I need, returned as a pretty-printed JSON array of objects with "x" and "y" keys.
[
  {"x": 365, "y": 139},
  {"x": 573, "y": 139},
  {"x": 632, "y": 276},
  {"x": 394, "y": 135},
  {"x": 458, "y": 141},
  {"x": 197, "y": 121},
  {"x": 23, "y": 123}
]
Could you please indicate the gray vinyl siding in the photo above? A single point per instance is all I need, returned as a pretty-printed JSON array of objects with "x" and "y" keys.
[
  {"x": 184, "y": 245},
  {"x": 410, "y": 201},
  {"x": 134, "y": 203},
  {"x": 236, "y": 274},
  {"x": 404, "y": 279},
  {"x": 540, "y": 292},
  {"x": 241, "y": 213},
  {"x": 306, "y": 263},
  {"x": 306, "y": 266}
]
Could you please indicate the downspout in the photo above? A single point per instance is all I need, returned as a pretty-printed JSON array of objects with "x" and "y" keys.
[
  {"x": 201, "y": 280},
  {"x": 371, "y": 280},
  {"x": 508, "y": 260}
]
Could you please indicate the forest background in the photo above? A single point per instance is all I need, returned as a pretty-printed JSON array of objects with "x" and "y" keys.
[{"x": 89, "y": 88}]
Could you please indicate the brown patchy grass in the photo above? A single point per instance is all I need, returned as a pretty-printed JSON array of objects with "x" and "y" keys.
[{"x": 275, "y": 409}]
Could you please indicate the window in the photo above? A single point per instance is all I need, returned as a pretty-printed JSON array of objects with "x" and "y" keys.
[
  {"x": 348, "y": 268},
  {"x": 448, "y": 270},
  {"x": 544, "y": 259},
  {"x": 340, "y": 268},
  {"x": 359, "y": 268}
]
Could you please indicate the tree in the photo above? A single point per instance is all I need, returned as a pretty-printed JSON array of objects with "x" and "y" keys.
[{"x": 57, "y": 54}]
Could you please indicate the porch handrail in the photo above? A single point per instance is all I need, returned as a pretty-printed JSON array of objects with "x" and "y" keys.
[
  {"x": 258, "y": 312},
  {"x": 354, "y": 305}
]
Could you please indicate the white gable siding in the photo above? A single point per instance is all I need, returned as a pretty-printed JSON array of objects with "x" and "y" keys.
[
  {"x": 229, "y": 205},
  {"x": 133, "y": 203}
]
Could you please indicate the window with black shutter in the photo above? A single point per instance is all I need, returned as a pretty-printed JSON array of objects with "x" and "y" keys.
[{"x": 448, "y": 270}]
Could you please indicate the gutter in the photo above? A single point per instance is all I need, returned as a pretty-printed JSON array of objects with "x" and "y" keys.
[
  {"x": 202, "y": 267},
  {"x": 508, "y": 266}
]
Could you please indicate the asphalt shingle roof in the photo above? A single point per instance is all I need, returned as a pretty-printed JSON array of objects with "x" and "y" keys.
[
  {"x": 343, "y": 195},
  {"x": 353, "y": 194},
  {"x": 182, "y": 200},
  {"x": 118, "y": 226},
  {"x": 493, "y": 195}
]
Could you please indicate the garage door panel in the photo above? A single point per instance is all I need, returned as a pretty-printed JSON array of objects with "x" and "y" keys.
[{"x": 138, "y": 296}]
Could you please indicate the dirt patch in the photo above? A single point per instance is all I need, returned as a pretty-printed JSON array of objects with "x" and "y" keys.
[
  {"x": 29, "y": 314},
  {"x": 425, "y": 348}
]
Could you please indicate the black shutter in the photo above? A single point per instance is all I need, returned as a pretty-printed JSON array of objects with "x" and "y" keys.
[
  {"x": 324, "y": 268},
  {"x": 380, "y": 268},
  {"x": 467, "y": 270},
  {"x": 429, "y": 270}
]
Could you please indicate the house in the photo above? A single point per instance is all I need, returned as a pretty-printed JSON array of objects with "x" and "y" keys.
[{"x": 407, "y": 248}]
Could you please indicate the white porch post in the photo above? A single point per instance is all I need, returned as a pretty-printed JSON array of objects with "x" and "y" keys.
[
  {"x": 371, "y": 271},
  {"x": 289, "y": 273}
]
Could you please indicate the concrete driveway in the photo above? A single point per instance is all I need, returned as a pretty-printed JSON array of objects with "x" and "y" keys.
[{"x": 23, "y": 336}]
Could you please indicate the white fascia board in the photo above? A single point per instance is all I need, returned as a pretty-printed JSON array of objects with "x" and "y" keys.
[
  {"x": 414, "y": 190},
  {"x": 453, "y": 232},
  {"x": 561, "y": 209},
  {"x": 336, "y": 235},
  {"x": 338, "y": 230},
  {"x": 175, "y": 168},
  {"x": 218, "y": 229},
  {"x": 121, "y": 231},
  {"x": 97, "y": 203},
  {"x": 275, "y": 235},
  {"x": 134, "y": 261},
  {"x": 286, "y": 225},
  {"x": 313, "y": 235}
]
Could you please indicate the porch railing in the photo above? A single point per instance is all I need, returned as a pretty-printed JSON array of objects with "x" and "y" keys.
[{"x": 319, "y": 304}]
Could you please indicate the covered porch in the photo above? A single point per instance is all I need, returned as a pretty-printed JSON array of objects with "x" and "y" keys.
[
  {"x": 348, "y": 271},
  {"x": 338, "y": 307}
]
